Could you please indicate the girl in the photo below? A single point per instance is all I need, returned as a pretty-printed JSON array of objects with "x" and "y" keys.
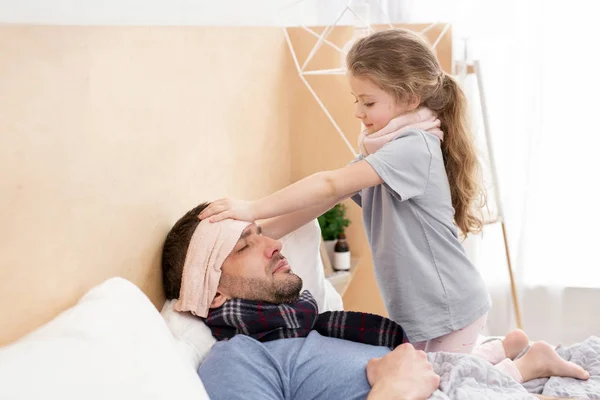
[{"x": 416, "y": 180}]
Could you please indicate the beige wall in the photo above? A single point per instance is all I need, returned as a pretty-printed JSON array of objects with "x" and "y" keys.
[{"x": 107, "y": 135}]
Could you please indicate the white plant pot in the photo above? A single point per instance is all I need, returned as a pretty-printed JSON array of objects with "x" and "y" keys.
[{"x": 329, "y": 245}]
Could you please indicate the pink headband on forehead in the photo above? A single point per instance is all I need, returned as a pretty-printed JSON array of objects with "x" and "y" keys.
[{"x": 210, "y": 245}]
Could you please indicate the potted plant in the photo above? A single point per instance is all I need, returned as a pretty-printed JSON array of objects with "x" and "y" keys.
[{"x": 333, "y": 223}]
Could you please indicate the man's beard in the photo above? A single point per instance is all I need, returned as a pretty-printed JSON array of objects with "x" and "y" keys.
[
  {"x": 276, "y": 291},
  {"x": 288, "y": 290}
]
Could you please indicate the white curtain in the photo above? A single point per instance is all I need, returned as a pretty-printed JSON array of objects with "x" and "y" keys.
[{"x": 541, "y": 80}]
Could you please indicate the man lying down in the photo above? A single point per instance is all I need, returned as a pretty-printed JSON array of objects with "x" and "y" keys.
[{"x": 274, "y": 344}]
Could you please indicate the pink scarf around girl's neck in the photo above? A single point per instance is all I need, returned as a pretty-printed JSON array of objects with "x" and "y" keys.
[{"x": 423, "y": 119}]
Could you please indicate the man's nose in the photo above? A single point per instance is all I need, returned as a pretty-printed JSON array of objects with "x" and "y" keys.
[{"x": 271, "y": 246}]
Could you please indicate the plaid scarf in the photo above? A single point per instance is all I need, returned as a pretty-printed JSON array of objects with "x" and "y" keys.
[{"x": 266, "y": 321}]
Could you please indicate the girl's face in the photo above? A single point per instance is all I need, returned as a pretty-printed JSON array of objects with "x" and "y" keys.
[{"x": 374, "y": 106}]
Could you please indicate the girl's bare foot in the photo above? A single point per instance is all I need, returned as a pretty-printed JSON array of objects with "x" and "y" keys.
[
  {"x": 514, "y": 343},
  {"x": 541, "y": 361}
]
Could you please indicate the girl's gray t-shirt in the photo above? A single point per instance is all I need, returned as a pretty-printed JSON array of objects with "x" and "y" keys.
[{"x": 428, "y": 284}]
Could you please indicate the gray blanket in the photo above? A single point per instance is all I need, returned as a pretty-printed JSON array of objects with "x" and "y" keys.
[{"x": 465, "y": 377}]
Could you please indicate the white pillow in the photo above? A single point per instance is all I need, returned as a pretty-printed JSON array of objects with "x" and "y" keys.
[
  {"x": 191, "y": 332},
  {"x": 113, "y": 344},
  {"x": 302, "y": 249}
]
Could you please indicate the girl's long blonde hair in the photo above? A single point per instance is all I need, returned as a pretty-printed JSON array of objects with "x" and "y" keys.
[{"x": 404, "y": 64}]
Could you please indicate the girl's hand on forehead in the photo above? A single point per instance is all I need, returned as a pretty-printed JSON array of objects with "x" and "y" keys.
[{"x": 228, "y": 208}]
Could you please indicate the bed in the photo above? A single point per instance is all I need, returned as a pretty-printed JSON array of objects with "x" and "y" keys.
[{"x": 115, "y": 344}]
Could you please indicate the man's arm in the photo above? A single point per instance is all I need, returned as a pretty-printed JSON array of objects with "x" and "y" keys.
[
  {"x": 239, "y": 357},
  {"x": 403, "y": 374}
]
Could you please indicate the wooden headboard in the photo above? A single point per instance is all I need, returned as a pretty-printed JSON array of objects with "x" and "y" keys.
[{"x": 108, "y": 135}]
